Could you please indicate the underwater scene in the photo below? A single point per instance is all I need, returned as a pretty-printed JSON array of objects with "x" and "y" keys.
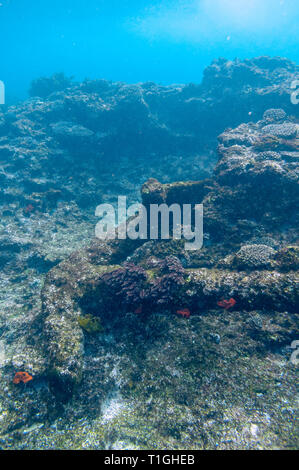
[{"x": 149, "y": 257}]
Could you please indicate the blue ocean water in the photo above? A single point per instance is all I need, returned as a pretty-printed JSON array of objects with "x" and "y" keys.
[{"x": 138, "y": 40}]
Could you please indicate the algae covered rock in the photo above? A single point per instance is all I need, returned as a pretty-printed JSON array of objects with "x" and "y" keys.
[{"x": 288, "y": 258}]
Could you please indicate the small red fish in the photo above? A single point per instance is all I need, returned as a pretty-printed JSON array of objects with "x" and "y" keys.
[
  {"x": 138, "y": 310},
  {"x": 22, "y": 377},
  {"x": 226, "y": 304},
  {"x": 28, "y": 209},
  {"x": 185, "y": 313}
]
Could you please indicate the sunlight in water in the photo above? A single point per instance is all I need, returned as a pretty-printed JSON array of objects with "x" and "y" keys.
[
  {"x": 198, "y": 20},
  {"x": 244, "y": 13},
  {"x": 236, "y": 10}
]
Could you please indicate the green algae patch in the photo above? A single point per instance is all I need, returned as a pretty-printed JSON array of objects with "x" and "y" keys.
[
  {"x": 106, "y": 269},
  {"x": 90, "y": 324}
]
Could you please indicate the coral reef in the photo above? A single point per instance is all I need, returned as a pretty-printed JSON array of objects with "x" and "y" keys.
[
  {"x": 165, "y": 287},
  {"x": 171, "y": 369},
  {"x": 127, "y": 284},
  {"x": 253, "y": 257}
]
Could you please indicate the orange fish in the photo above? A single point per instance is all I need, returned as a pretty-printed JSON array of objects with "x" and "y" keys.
[
  {"x": 22, "y": 377},
  {"x": 138, "y": 310},
  {"x": 185, "y": 312},
  {"x": 226, "y": 304}
]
